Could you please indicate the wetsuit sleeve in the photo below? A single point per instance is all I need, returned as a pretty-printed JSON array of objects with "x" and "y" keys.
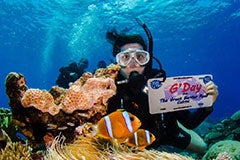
[{"x": 192, "y": 119}]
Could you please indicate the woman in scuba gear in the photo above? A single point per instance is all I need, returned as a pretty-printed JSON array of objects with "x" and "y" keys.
[{"x": 173, "y": 128}]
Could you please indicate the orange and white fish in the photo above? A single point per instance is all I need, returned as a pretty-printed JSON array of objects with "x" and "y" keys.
[
  {"x": 140, "y": 139},
  {"x": 119, "y": 125}
]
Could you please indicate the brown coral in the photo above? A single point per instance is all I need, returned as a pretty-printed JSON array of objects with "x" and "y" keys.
[
  {"x": 15, "y": 88},
  {"x": 77, "y": 97},
  {"x": 58, "y": 94},
  {"x": 83, "y": 94},
  {"x": 110, "y": 72},
  {"x": 40, "y": 99},
  {"x": 40, "y": 113},
  {"x": 84, "y": 97},
  {"x": 15, "y": 85}
]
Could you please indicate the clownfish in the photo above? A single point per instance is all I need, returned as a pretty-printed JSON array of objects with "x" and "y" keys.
[
  {"x": 140, "y": 139},
  {"x": 117, "y": 125}
]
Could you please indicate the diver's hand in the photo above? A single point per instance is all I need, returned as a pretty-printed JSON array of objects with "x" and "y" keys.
[{"x": 212, "y": 89}]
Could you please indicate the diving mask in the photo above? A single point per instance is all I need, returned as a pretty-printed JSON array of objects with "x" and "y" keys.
[{"x": 140, "y": 56}]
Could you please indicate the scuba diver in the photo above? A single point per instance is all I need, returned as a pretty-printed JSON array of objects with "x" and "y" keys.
[
  {"x": 135, "y": 58},
  {"x": 101, "y": 64},
  {"x": 71, "y": 72}
]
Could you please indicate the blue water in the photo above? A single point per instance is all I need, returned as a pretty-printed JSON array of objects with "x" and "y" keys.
[{"x": 190, "y": 37}]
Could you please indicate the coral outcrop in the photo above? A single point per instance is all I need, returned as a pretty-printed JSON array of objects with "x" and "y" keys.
[
  {"x": 41, "y": 115},
  {"x": 227, "y": 129},
  {"x": 44, "y": 117},
  {"x": 41, "y": 100},
  {"x": 223, "y": 139},
  {"x": 226, "y": 149},
  {"x": 94, "y": 92}
]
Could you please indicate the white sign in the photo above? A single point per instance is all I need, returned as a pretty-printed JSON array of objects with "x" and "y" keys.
[{"x": 178, "y": 93}]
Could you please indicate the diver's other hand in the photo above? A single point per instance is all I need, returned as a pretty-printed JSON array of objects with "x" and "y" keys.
[{"x": 212, "y": 89}]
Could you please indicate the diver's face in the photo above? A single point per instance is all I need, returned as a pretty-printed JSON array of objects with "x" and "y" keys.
[{"x": 133, "y": 65}]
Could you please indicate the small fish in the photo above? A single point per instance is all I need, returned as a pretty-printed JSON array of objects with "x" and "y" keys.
[
  {"x": 51, "y": 126},
  {"x": 140, "y": 139},
  {"x": 119, "y": 125},
  {"x": 62, "y": 128},
  {"x": 71, "y": 124}
]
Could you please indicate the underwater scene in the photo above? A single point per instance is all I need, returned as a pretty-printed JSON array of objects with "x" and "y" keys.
[{"x": 58, "y": 77}]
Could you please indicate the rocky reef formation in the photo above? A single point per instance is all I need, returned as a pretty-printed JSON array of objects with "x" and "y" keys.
[
  {"x": 41, "y": 115},
  {"x": 224, "y": 137},
  {"x": 227, "y": 129},
  {"x": 57, "y": 123},
  {"x": 226, "y": 149}
]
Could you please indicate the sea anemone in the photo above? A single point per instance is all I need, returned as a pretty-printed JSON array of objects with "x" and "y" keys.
[
  {"x": 16, "y": 151},
  {"x": 88, "y": 148}
]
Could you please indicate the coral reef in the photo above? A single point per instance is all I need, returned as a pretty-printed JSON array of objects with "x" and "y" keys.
[
  {"x": 60, "y": 120},
  {"x": 224, "y": 137},
  {"x": 224, "y": 149},
  {"x": 95, "y": 91},
  {"x": 41, "y": 100},
  {"x": 227, "y": 129},
  {"x": 5, "y": 117},
  {"x": 41, "y": 115},
  {"x": 223, "y": 156},
  {"x": 15, "y": 84}
]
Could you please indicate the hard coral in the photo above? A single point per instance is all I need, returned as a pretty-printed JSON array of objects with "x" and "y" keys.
[
  {"x": 41, "y": 115},
  {"x": 86, "y": 96},
  {"x": 94, "y": 90},
  {"x": 15, "y": 88},
  {"x": 110, "y": 72},
  {"x": 40, "y": 99},
  {"x": 226, "y": 129},
  {"x": 223, "y": 156},
  {"x": 232, "y": 148},
  {"x": 15, "y": 85},
  {"x": 58, "y": 94}
]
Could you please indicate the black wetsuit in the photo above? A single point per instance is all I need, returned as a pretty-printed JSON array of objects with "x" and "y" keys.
[
  {"x": 163, "y": 126},
  {"x": 69, "y": 74}
]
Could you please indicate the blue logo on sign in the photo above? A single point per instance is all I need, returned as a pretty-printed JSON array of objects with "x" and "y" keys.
[
  {"x": 155, "y": 84},
  {"x": 206, "y": 79}
]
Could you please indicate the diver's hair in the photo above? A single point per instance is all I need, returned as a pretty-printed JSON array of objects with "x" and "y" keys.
[{"x": 119, "y": 40}]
